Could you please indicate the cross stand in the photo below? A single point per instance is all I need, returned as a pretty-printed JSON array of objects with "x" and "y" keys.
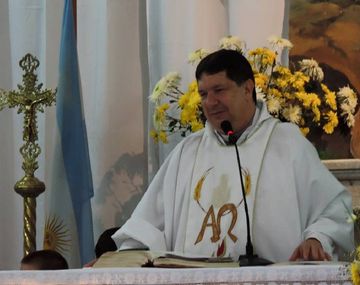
[{"x": 30, "y": 98}]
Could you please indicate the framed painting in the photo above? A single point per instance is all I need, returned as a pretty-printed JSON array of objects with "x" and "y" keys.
[{"x": 329, "y": 32}]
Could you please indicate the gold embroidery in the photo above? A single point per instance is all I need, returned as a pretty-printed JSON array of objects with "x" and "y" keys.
[
  {"x": 198, "y": 187},
  {"x": 247, "y": 181},
  {"x": 215, "y": 227},
  {"x": 216, "y": 224},
  {"x": 222, "y": 212}
]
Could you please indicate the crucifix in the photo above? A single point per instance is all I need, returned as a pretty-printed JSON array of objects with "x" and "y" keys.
[{"x": 30, "y": 98}]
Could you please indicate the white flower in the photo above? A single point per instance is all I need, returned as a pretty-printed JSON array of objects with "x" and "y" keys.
[
  {"x": 260, "y": 94},
  {"x": 168, "y": 84},
  {"x": 231, "y": 42},
  {"x": 352, "y": 218},
  {"x": 348, "y": 96},
  {"x": 197, "y": 55},
  {"x": 279, "y": 43},
  {"x": 273, "y": 105},
  {"x": 347, "y": 113},
  {"x": 292, "y": 114},
  {"x": 350, "y": 120},
  {"x": 312, "y": 69},
  {"x": 346, "y": 108}
]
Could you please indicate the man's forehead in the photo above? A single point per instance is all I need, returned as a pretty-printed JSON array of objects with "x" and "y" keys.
[{"x": 213, "y": 81}]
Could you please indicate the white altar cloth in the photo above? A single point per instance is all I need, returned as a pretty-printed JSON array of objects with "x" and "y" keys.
[{"x": 285, "y": 274}]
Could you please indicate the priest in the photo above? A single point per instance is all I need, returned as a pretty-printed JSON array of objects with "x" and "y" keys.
[{"x": 195, "y": 204}]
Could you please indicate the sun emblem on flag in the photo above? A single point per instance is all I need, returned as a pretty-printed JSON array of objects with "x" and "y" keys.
[{"x": 56, "y": 235}]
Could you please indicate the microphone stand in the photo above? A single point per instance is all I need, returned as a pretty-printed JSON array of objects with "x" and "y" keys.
[{"x": 249, "y": 259}]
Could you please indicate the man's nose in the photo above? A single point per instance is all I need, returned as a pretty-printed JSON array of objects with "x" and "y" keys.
[{"x": 211, "y": 99}]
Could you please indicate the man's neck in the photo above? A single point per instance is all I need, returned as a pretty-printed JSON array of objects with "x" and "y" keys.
[{"x": 244, "y": 131}]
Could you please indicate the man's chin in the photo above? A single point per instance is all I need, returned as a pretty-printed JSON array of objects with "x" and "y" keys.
[{"x": 217, "y": 124}]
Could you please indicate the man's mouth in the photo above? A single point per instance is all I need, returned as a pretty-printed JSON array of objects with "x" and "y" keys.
[{"x": 217, "y": 113}]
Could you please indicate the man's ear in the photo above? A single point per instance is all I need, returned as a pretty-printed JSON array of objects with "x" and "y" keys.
[{"x": 249, "y": 87}]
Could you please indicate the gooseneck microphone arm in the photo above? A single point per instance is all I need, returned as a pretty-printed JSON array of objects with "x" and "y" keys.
[
  {"x": 249, "y": 259},
  {"x": 249, "y": 246}
]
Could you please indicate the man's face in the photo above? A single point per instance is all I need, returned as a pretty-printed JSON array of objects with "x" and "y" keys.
[{"x": 222, "y": 99}]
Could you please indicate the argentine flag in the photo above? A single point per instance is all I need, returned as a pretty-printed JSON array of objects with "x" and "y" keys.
[{"x": 68, "y": 225}]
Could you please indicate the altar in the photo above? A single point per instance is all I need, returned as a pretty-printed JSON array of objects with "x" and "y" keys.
[{"x": 326, "y": 273}]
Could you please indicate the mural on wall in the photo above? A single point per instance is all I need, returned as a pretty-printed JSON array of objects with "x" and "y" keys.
[
  {"x": 120, "y": 190},
  {"x": 329, "y": 32}
]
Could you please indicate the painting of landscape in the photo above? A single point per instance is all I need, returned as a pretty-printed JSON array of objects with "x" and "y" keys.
[{"x": 329, "y": 32}]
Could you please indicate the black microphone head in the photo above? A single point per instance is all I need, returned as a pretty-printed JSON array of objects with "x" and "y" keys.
[{"x": 226, "y": 127}]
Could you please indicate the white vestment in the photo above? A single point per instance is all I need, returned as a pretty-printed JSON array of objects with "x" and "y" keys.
[{"x": 194, "y": 203}]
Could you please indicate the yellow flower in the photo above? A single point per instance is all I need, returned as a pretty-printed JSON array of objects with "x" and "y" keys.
[
  {"x": 191, "y": 98},
  {"x": 183, "y": 100},
  {"x": 296, "y": 95},
  {"x": 328, "y": 128},
  {"x": 316, "y": 112},
  {"x": 305, "y": 131},
  {"x": 264, "y": 56},
  {"x": 261, "y": 80},
  {"x": 282, "y": 70},
  {"x": 330, "y": 97},
  {"x": 315, "y": 100},
  {"x": 194, "y": 100},
  {"x": 193, "y": 87},
  {"x": 332, "y": 122},
  {"x": 298, "y": 80},
  {"x": 154, "y": 135},
  {"x": 274, "y": 92},
  {"x": 196, "y": 126},
  {"x": 163, "y": 137},
  {"x": 281, "y": 83},
  {"x": 332, "y": 117},
  {"x": 355, "y": 272},
  {"x": 187, "y": 115},
  {"x": 160, "y": 115}
]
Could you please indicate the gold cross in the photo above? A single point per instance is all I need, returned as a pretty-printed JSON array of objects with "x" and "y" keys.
[{"x": 30, "y": 98}]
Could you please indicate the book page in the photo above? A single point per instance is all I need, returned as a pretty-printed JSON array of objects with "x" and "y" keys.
[
  {"x": 173, "y": 262},
  {"x": 146, "y": 258},
  {"x": 126, "y": 258}
]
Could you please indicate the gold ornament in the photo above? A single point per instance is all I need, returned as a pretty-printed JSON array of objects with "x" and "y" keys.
[{"x": 30, "y": 98}]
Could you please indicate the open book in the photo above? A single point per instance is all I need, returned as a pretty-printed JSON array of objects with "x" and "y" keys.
[{"x": 146, "y": 258}]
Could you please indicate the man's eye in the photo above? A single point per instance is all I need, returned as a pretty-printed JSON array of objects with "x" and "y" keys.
[
  {"x": 202, "y": 94},
  {"x": 218, "y": 90}
]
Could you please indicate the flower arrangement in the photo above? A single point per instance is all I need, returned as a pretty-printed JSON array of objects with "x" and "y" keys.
[
  {"x": 295, "y": 94},
  {"x": 354, "y": 266}
]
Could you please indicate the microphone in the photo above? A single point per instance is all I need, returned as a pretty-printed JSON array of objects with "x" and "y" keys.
[{"x": 249, "y": 259}]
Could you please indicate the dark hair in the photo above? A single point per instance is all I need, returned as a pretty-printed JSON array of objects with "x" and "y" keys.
[
  {"x": 236, "y": 66},
  {"x": 105, "y": 243},
  {"x": 46, "y": 260}
]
